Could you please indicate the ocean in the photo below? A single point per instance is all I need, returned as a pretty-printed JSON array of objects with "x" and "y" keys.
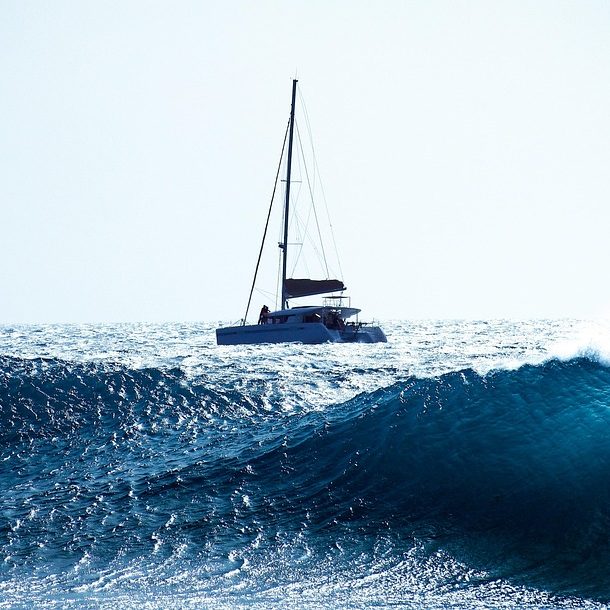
[{"x": 460, "y": 465}]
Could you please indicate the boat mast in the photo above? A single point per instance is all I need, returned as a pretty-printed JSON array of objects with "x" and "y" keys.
[{"x": 284, "y": 245}]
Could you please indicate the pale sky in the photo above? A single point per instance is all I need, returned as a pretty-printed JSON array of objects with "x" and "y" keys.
[{"x": 464, "y": 149}]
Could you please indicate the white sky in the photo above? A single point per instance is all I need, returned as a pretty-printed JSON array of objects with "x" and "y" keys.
[{"x": 464, "y": 149}]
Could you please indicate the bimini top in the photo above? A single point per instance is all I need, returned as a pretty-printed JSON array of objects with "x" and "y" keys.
[{"x": 295, "y": 288}]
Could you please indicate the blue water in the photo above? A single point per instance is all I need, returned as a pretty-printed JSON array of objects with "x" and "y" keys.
[{"x": 462, "y": 465}]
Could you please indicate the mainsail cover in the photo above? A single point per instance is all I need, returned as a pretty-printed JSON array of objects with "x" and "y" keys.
[{"x": 295, "y": 288}]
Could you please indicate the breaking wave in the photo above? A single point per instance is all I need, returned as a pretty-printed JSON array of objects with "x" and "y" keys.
[{"x": 108, "y": 470}]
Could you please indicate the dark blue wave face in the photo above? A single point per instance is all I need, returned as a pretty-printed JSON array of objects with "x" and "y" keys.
[
  {"x": 509, "y": 470},
  {"x": 509, "y": 473}
]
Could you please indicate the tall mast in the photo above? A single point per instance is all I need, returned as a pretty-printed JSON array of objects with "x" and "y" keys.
[{"x": 284, "y": 245}]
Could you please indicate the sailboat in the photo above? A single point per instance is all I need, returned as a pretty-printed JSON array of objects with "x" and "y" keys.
[{"x": 334, "y": 320}]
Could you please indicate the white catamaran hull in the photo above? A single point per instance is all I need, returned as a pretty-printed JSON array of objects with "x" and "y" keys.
[{"x": 298, "y": 331}]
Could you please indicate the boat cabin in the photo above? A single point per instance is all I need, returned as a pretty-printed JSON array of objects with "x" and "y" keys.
[{"x": 331, "y": 316}]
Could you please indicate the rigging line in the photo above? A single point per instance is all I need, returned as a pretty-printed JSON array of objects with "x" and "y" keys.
[
  {"x": 265, "y": 293},
  {"x": 260, "y": 253},
  {"x": 309, "y": 133},
  {"x": 330, "y": 224},
  {"x": 296, "y": 227},
  {"x": 301, "y": 230},
  {"x": 278, "y": 281},
  {"x": 321, "y": 257},
  {"x": 295, "y": 193},
  {"x": 302, "y": 226},
  {"x": 318, "y": 176},
  {"x": 313, "y": 205}
]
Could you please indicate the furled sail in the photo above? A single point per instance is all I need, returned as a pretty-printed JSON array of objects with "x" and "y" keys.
[{"x": 295, "y": 288}]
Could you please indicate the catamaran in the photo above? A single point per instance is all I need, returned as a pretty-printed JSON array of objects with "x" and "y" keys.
[{"x": 332, "y": 321}]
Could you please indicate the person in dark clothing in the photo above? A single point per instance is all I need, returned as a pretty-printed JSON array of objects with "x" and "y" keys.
[{"x": 262, "y": 318}]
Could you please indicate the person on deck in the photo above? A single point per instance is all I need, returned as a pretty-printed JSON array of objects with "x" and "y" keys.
[{"x": 262, "y": 318}]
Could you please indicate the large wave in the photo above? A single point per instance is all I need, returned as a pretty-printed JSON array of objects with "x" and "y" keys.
[{"x": 508, "y": 471}]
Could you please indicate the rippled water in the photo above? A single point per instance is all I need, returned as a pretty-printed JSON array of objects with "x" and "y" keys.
[{"x": 462, "y": 464}]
